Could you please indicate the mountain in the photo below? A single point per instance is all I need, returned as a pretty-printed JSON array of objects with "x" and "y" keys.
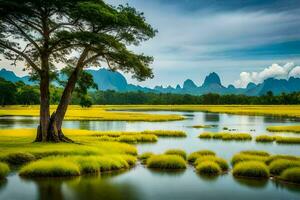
[
  {"x": 111, "y": 80},
  {"x": 11, "y": 76}
]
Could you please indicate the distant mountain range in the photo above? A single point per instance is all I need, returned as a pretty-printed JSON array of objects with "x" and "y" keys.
[{"x": 108, "y": 80}]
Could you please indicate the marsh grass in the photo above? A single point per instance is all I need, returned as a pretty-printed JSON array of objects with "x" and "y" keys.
[
  {"x": 265, "y": 138},
  {"x": 251, "y": 169},
  {"x": 281, "y": 157},
  {"x": 165, "y": 133},
  {"x": 4, "y": 170},
  {"x": 292, "y": 129},
  {"x": 17, "y": 158},
  {"x": 178, "y": 152},
  {"x": 226, "y": 136},
  {"x": 255, "y": 153},
  {"x": 166, "y": 162},
  {"x": 193, "y": 156},
  {"x": 203, "y": 126},
  {"x": 208, "y": 167},
  {"x": 220, "y": 161},
  {"x": 278, "y": 166},
  {"x": 144, "y": 157},
  {"x": 288, "y": 140},
  {"x": 291, "y": 175},
  {"x": 237, "y": 158}
]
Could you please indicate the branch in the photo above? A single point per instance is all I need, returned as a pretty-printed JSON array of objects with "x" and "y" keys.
[
  {"x": 25, "y": 34},
  {"x": 90, "y": 59},
  {"x": 33, "y": 65}
]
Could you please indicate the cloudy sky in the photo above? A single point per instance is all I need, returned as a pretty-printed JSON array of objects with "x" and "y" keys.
[{"x": 241, "y": 40}]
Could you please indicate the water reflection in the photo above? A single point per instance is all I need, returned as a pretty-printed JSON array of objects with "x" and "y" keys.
[
  {"x": 212, "y": 117},
  {"x": 252, "y": 183},
  {"x": 3, "y": 183}
]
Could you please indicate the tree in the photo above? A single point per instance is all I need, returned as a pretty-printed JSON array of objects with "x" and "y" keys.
[
  {"x": 8, "y": 92},
  {"x": 44, "y": 32}
]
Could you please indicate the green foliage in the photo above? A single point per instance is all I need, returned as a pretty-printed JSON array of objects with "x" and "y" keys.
[
  {"x": 225, "y": 136},
  {"x": 291, "y": 175},
  {"x": 166, "y": 162},
  {"x": 17, "y": 158},
  {"x": 251, "y": 169},
  {"x": 246, "y": 157},
  {"x": 4, "y": 170},
  {"x": 8, "y": 92},
  {"x": 165, "y": 133},
  {"x": 193, "y": 156},
  {"x": 178, "y": 152},
  {"x": 278, "y": 166},
  {"x": 208, "y": 168},
  {"x": 144, "y": 157},
  {"x": 255, "y": 153},
  {"x": 288, "y": 140}
]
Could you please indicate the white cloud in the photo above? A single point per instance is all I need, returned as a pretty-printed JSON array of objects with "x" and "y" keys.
[{"x": 274, "y": 71}]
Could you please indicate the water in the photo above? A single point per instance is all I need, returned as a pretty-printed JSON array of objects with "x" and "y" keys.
[{"x": 142, "y": 183}]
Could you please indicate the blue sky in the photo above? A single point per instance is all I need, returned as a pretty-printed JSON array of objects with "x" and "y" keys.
[{"x": 241, "y": 40}]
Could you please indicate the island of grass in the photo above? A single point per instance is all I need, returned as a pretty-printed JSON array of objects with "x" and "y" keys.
[
  {"x": 193, "y": 156},
  {"x": 278, "y": 139},
  {"x": 203, "y": 126},
  {"x": 166, "y": 162},
  {"x": 251, "y": 169},
  {"x": 226, "y": 136},
  {"x": 178, "y": 152},
  {"x": 4, "y": 170},
  {"x": 292, "y": 129}
]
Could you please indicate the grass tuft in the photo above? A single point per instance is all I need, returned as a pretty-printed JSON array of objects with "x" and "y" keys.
[
  {"x": 241, "y": 157},
  {"x": 166, "y": 162},
  {"x": 193, "y": 156},
  {"x": 4, "y": 170},
  {"x": 251, "y": 169},
  {"x": 265, "y": 138},
  {"x": 178, "y": 152},
  {"x": 279, "y": 157},
  {"x": 291, "y": 175},
  {"x": 208, "y": 167},
  {"x": 293, "y": 129},
  {"x": 288, "y": 140},
  {"x": 17, "y": 158},
  {"x": 278, "y": 166},
  {"x": 255, "y": 153},
  {"x": 220, "y": 161},
  {"x": 144, "y": 157},
  {"x": 226, "y": 136},
  {"x": 165, "y": 133}
]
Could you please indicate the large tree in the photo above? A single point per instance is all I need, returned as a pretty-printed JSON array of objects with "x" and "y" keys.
[{"x": 78, "y": 33}]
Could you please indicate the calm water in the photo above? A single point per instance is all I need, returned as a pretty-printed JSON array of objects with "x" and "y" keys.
[{"x": 142, "y": 183}]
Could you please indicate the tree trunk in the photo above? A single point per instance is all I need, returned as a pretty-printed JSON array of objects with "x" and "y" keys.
[{"x": 42, "y": 130}]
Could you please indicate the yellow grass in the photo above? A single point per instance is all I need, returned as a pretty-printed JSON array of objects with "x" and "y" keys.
[
  {"x": 93, "y": 113},
  {"x": 293, "y": 129},
  {"x": 276, "y": 110}
]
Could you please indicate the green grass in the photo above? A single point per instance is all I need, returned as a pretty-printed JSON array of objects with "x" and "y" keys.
[
  {"x": 265, "y": 138},
  {"x": 4, "y": 170},
  {"x": 278, "y": 166},
  {"x": 292, "y": 129},
  {"x": 165, "y": 133},
  {"x": 166, "y": 162},
  {"x": 193, "y": 156},
  {"x": 251, "y": 169},
  {"x": 208, "y": 167},
  {"x": 203, "y": 126},
  {"x": 144, "y": 157},
  {"x": 17, "y": 158},
  {"x": 237, "y": 158},
  {"x": 178, "y": 152},
  {"x": 255, "y": 153},
  {"x": 288, "y": 140},
  {"x": 226, "y": 136},
  {"x": 291, "y": 175},
  {"x": 50, "y": 168},
  {"x": 280, "y": 157},
  {"x": 220, "y": 161}
]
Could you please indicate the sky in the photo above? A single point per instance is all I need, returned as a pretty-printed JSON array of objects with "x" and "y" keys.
[{"x": 242, "y": 40}]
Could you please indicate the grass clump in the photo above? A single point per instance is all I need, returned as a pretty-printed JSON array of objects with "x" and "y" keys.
[
  {"x": 288, "y": 140},
  {"x": 255, "y": 153},
  {"x": 251, "y": 169},
  {"x": 178, "y": 152},
  {"x": 144, "y": 157},
  {"x": 4, "y": 170},
  {"x": 247, "y": 157},
  {"x": 193, "y": 156},
  {"x": 166, "y": 162},
  {"x": 222, "y": 163},
  {"x": 278, "y": 166},
  {"x": 203, "y": 126},
  {"x": 226, "y": 136},
  {"x": 50, "y": 168},
  {"x": 291, "y": 175},
  {"x": 265, "y": 138},
  {"x": 17, "y": 158},
  {"x": 293, "y": 129},
  {"x": 208, "y": 167},
  {"x": 165, "y": 133},
  {"x": 279, "y": 157}
]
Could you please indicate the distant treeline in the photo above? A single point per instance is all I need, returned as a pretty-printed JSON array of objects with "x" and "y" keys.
[{"x": 20, "y": 93}]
